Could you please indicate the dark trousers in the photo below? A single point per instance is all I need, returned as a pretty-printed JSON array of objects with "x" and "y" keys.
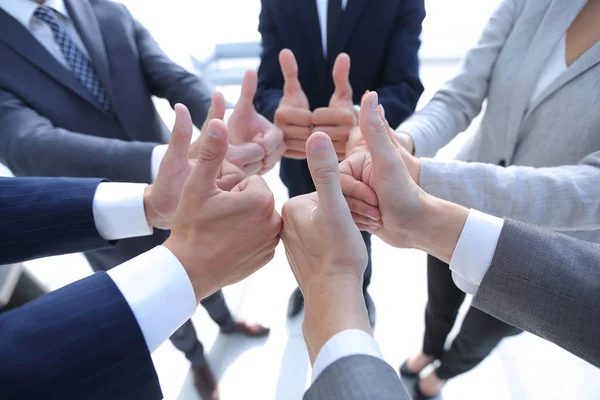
[
  {"x": 478, "y": 336},
  {"x": 184, "y": 338},
  {"x": 296, "y": 176}
]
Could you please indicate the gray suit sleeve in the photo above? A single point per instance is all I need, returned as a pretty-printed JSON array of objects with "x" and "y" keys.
[
  {"x": 358, "y": 377},
  {"x": 31, "y": 145},
  {"x": 170, "y": 81},
  {"x": 531, "y": 195},
  {"x": 460, "y": 100},
  {"x": 548, "y": 284}
]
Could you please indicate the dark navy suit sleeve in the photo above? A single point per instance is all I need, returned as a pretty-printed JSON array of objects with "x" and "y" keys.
[
  {"x": 270, "y": 78},
  {"x": 78, "y": 342},
  {"x": 42, "y": 217},
  {"x": 401, "y": 87}
]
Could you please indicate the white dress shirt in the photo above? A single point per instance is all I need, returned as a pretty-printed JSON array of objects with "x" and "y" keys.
[
  {"x": 154, "y": 284},
  {"x": 23, "y": 10},
  {"x": 556, "y": 65}
]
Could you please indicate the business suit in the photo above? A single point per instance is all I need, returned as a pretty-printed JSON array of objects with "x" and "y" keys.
[
  {"x": 358, "y": 377},
  {"x": 41, "y": 217},
  {"x": 380, "y": 36},
  {"x": 81, "y": 341},
  {"x": 51, "y": 125},
  {"x": 550, "y": 147},
  {"x": 546, "y": 283}
]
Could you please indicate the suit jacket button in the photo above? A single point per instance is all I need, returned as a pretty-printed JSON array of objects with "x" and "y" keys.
[{"x": 502, "y": 163}]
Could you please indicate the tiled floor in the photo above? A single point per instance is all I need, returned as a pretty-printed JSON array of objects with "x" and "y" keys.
[{"x": 524, "y": 367}]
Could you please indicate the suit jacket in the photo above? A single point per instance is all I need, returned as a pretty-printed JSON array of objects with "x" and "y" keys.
[
  {"x": 382, "y": 39},
  {"x": 558, "y": 134},
  {"x": 548, "y": 284},
  {"x": 51, "y": 126},
  {"x": 358, "y": 377},
  {"x": 42, "y": 217},
  {"x": 81, "y": 341}
]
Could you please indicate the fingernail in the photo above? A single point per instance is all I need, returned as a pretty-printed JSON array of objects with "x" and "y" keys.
[
  {"x": 374, "y": 102},
  {"x": 319, "y": 145},
  {"x": 214, "y": 133}
]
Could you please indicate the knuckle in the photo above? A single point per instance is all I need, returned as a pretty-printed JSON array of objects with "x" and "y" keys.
[
  {"x": 208, "y": 155},
  {"x": 326, "y": 173}
]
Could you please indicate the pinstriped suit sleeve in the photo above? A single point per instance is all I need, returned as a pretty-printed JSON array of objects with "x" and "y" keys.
[
  {"x": 42, "y": 217},
  {"x": 548, "y": 284},
  {"x": 79, "y": 342}
]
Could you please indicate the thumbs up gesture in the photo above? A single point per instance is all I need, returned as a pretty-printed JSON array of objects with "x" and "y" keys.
[
  {"x": 252, "y": 132},
  {"x": 340, "y": 117},
  {"x": 325, "y": 250},
  {"x": 293, "y": 115},
  {"x": 221, "y": 237}
]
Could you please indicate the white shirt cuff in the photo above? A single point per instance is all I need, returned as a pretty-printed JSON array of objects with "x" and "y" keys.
[
  {"x": 119, "y": 210},
  {"x": 158, "y": 291},
  {"x": 475, "y": 250},
  {"x": 350, "y": 342},
  {"x": 157, "y": 155}
]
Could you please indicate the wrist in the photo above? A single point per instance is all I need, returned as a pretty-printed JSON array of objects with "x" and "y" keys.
[
  {"x": 439, "y": 228},
  {"x": 332, "y": 304},
  {"x": 199, "y": 278},
  {"x": 406, "y": 141},
  {"x": 151, "y": 216}
]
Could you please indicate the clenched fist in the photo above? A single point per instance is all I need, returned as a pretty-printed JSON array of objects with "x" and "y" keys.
[{"x": 222, "y": 237}]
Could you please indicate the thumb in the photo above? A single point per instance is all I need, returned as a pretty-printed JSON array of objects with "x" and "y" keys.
[
  {"x": 249, "y": 85},
  {"x": 182, "y": 133},
  {"x": 211, "y": 153},
  {"x": 217, "y": 106},
  {"x": 324, "y": 169},
  {"x": 341, "y": 78},
  {"x": 289, "y": 69},
  {"x": 376, "y": 134}
]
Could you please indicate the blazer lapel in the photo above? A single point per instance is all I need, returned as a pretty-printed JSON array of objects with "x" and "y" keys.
[
  {"x": 588, "y": 60},
  {"x": 86, "y": 23},
  {"x": 554, "y": 25},
  {"x": 346, "y": 26},
  {"x": 18, "y": 38}
]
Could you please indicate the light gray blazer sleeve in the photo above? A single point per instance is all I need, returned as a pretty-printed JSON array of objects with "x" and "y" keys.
[
  {"x": 358, "y": 377},
  {"x": 548, "y": 284},
  {"x": 564, "y": 198},
  {"x": 460, "y": 100}
]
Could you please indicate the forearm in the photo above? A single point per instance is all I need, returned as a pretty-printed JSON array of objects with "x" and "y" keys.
[
  {"x": 330, "y": 308},
  {"x": 47, "y": 151},
  {"x": 545, "y": 283},
  {"x": 531, "y": 195},
  {"x": 440, "y": 228}
]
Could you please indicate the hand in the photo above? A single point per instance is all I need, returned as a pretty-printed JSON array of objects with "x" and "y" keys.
[
  {"x": 162, "y": 198},
  {"x": 340, "y": 117},
  {"x": 293, "y": 115},
  {"x": 326, "y": 251},
  {"x": 222, "y": 237},
  {"x": 383, "y": 169},
  {"x": 248, "y": 128},
  {"x": 247, "y": 156}
]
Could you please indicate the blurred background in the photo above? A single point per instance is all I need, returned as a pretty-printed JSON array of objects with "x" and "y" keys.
[{"x": 219, "y": 40}]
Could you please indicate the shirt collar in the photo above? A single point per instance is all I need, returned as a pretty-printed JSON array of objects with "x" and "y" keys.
[{"x": 23, "y": 10}]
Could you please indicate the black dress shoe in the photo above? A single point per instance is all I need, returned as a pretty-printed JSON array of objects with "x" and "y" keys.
[
  {"x": 404, "y": 371},
  {"x": 370, "y": 309},
  {"x": 296, "y": 303}
]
